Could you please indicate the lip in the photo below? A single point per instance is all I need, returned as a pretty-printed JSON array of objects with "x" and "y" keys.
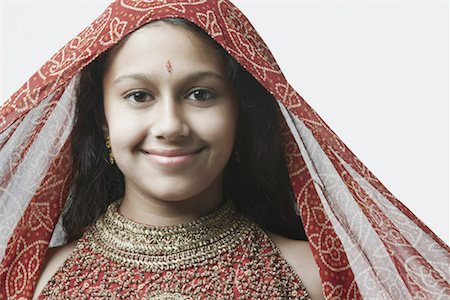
[
  {"x": 172, "y": 152},
  {"x": 172, "y": 157}
]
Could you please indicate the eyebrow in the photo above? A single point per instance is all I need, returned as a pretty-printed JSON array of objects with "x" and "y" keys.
[{"x": 149, "y": 78}]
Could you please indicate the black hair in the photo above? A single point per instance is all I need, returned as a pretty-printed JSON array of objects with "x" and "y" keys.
[{"x": 258, "y": 182}]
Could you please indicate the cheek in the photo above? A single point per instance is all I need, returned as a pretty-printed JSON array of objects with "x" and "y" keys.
[
  {"x": 218, "y": 130},
  {"x": 125, "y": 129}
]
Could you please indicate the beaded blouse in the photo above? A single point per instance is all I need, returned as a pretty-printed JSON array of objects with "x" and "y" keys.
[{"x": 223, "y": 255}]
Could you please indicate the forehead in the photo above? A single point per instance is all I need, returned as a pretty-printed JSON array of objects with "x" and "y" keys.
[{"x": 151, "y": 46}]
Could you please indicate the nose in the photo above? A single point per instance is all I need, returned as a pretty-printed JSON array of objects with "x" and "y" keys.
[{"x": 169, "y": 121}]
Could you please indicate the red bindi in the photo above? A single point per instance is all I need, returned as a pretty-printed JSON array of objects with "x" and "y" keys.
[{"x": 168, "y": 66}]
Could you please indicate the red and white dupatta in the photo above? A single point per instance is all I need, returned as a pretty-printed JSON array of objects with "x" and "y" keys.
[{"x": 366, "y": 243}]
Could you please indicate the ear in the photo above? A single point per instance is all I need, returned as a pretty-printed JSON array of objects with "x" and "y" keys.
[
  {"x": 100, "y": 122},
  {"x": 105, "y": 130}
]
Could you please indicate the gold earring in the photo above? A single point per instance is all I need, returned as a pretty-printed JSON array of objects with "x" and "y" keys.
[
  {"x": 108, "y": 146},
  {"x": 238, "y": 156}
]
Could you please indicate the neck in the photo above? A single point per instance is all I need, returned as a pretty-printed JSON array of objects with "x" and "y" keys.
[{"x": 154, "y": 211}]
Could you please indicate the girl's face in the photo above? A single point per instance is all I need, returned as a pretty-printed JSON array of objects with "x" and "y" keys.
[{"x": 170, "y": 113}]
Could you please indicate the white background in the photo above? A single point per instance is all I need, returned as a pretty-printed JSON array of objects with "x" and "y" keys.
[{"x": 376, "y": 71}]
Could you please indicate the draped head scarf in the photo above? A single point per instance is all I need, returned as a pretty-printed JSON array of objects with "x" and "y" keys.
[{"x": 366, "y": 243}]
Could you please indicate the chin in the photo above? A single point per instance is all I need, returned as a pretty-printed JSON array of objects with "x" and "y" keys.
[
  {"x": 176, "y": 189},
  {"x": 171, "y": 197},
  {"x": 175, "y": 195}
]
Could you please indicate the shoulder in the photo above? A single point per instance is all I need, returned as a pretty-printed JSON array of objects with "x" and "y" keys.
[
  {"x": 54, "y": 259},
  {"x": 299, "y": 255}
]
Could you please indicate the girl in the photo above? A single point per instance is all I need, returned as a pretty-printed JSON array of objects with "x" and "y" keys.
[
  {"x": 193, "y": 173},
  {"x": 166, "y": 100}
]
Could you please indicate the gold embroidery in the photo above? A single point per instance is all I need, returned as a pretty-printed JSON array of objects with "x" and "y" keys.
[
  {"x": 170, "y": 296},
  {"x": 159, "y": 248},
  {"x": 222, "y": 255}
]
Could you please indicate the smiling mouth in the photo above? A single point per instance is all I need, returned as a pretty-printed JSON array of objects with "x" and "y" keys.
[{"x": 170, "y": 158}]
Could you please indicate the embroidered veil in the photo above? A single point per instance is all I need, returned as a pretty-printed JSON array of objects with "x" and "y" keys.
[{"x": 366, "y": 243}]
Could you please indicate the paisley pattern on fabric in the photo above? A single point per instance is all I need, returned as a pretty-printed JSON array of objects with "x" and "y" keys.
[{"x": 366, "y": 243}]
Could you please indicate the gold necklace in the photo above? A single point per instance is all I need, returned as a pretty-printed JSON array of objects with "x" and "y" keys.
[{"x": 160, "y": 248}]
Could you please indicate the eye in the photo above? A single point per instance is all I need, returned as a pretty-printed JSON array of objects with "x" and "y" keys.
[
  {"x": 201, "y": 95},
  {"x": 138, "y": 96}
]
